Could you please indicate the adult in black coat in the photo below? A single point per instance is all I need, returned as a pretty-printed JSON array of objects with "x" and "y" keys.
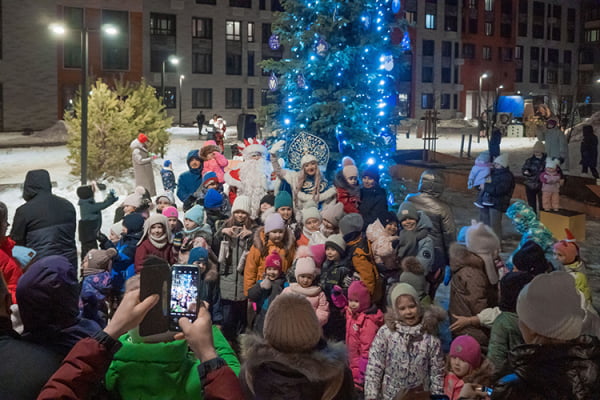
[
  {"x": 373, "y": 198},
  {"x": 531, "y": 170},
  {"x": 45, "y": 223},
  {"x": 500, "y": 188},
  {"x": 589, "y": 151},
  {"x": 27, "y": 365}
]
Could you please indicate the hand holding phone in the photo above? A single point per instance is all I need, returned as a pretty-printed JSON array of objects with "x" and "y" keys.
[
  {"x": 199, "y": 333},
  {"x": 184, "y": 294}
]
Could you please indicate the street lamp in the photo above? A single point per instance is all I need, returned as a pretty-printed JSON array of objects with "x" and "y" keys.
[
  {"x": 181, "y": 78},
  {"x": 61, "y": 30},
  {"x": 173, "y": 60},
  {"x": 481, "y": 78}
]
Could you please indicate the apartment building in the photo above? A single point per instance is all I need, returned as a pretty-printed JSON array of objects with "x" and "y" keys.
[
  {"x": 218, "y": 45},
  {"x": 588, "y": 72}
]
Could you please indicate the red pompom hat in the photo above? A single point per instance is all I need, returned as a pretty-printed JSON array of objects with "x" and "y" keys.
[{"x": 142, "y": 138}]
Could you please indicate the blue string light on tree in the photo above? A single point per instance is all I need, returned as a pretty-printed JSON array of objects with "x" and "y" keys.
[{"x": 405, "y": 43}]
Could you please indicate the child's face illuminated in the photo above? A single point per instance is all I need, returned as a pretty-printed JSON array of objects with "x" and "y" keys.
[
  {"x": 391, "y": 228},
  {"x": 128, "y": 209},
  {"x": 162, "y": 203},
  {"x": 459, "y": 367},
  {"x": 173, "y": 223},
  {"x": 332, "y": 254},
  {"x": 271, "y": 273},
  {"x": 352, "y": 180},
  {"x": 313, "y": 224},
  {"x": 285, "y": 212},
  {"x": 276, "y": 236},
  {"x": 240, "y": 217},
  {"x": 189, "y": 224},
  {"x": 157, "y": 230},
  {"x": 408, "y": 311},
  {"x": 368, "y": 182},
  {"x": 201, "y": 265},
  {"x": 305, "y": 280},
  {"x": 409, "y": 224}
]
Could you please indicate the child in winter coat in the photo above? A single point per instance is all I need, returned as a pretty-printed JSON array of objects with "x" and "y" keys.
[
  {"x": 311, "y": 227},
  {"x": 155, "y": 241},
  {"x": 265, "y": 290},
  {"x": 164, "y": 200},
  {"x": 405, "y": 355},
  {"x": 336, "y": 277},
  {"x": 306, "y": 286},
  {"x": 213, "y": 203},
  {"x": 331, "y": 215},
  {"x": 195, "y": 232},
  {"x": 360, "y": 254},
  {"x": 214, "y": 161},
  {"x": 175, "y": 225},
  {"x": 566, "y": 253},
  {"x": 479, "y": 175},
  {"x": 232, "y": 243},
  {"x": 383, "y": 235},
  {"x": 465, "y": 364},
  {"x": 96, "y": 284},
  {"x": 346, "y": 186},
  {"x": 168, "y": 176},
  {"x": 363, "y": 320},
  {"x": 552, "y": 180},
  {"x": 506, "y": 335},
  {"x": 284, "y": 206},
  {"x": 274, "y": 236},
  {"x": 91, "y": 215},
  {"x": 208, "y": 286}
]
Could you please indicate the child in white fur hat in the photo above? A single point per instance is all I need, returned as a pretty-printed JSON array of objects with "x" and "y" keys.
[
  {"x": 306, "y": 284},
  {"x": 311, "y": 227}
]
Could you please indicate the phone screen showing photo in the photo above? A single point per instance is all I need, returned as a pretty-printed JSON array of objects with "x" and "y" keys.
[{"x": 184, "y": 293}]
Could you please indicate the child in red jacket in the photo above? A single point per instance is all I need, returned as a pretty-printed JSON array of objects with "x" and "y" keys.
[
  {"x": 363, "y": 320},
  {"x": 346, "y": 185}
]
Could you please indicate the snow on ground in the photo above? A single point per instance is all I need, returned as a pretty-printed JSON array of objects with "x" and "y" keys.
[{"x": 16, "y": 163}]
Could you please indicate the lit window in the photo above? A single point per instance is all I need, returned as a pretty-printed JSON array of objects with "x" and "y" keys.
[
  {"x": 232, "y": 30},
  {"x": 429, "y": 21},
  {"x": 250, "y": 31},
  {"x": 489, "y": 5}
]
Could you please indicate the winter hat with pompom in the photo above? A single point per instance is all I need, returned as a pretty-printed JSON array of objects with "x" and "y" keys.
[
  {"x": 273, "y": 260},
  {"x": 552, "y": 163},
  {"x": 349, "y": 167},
  {"x": 358, "y": 292},
  {"x": 135, "y": 199},
  {"x": 318, "y": 251},
  {"x": 305, "y": 264},
  {"x": 142, "y": 138},
  {"x": 466, "y": 348}
]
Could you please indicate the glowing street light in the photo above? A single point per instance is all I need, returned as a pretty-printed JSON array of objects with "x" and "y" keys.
[{"x": 174, "y": 61}]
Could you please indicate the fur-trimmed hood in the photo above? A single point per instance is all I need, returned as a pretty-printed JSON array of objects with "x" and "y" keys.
[
  {"x": 341, "y": 183},
  {"x": 259, "y": 239},
  {"x": 432, "y": 316},
  {"x": 461, "y": 257},
  {"x": 482, "y": 375},
  {"x": 325, "y": 366}
]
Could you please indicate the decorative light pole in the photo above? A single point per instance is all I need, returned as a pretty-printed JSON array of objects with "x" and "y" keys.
[
  {"x": 479, "y": 98},
  {"x": 173, "y": 60},
  {"x": 181, "y": 78},
  {"x": 61, "y": 30}
]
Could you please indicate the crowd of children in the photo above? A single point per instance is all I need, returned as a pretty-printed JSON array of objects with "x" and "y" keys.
[{"x": 317, "y": 241}]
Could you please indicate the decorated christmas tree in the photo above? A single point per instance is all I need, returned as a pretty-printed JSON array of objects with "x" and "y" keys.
[{"x": 338, "y": 82}]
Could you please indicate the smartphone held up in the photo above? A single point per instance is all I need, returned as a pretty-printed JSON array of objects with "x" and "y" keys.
[{"x": 184, "y": 294}]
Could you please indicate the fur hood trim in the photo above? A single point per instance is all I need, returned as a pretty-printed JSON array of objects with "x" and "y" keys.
[
  {"x": 260, "y": 242},
  {"x": 482, "y": 375},
  {"x": 212, "y": 272},
  {"x": 461, "y": 257},
  {"x": 341, "y": 183},
  {"x": 432, "y": 316},
  {"x": 326, "y": 364},
  {"x": 206, "y": 150}
]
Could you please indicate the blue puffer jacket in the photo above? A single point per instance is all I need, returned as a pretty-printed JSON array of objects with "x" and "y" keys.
[{"x": 190, "y": 180}]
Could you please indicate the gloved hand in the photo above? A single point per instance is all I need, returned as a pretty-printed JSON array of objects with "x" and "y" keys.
[
  {"x": 265, "y": 284},
  {"x": 102, "y": 238},
  {"x": 277, "y": 146},
  {"x": 113, "y": 194}
]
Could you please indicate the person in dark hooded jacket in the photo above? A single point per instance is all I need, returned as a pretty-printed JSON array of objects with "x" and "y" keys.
[
  {"x": 46, "y": 223},
  {"x": 428, "y": 200},
  {"x": 190, "y": 181},
  {"x": 48, "y": 298},
  {"x": 373, "y": 198}
]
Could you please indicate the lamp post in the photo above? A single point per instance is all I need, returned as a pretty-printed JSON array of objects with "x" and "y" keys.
[
  {"x": 480, "y": 95},
  {"x": 181, "y": 78},
  {"x": 84, "y": 32},
  {"x": 173, "y": 60}
]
